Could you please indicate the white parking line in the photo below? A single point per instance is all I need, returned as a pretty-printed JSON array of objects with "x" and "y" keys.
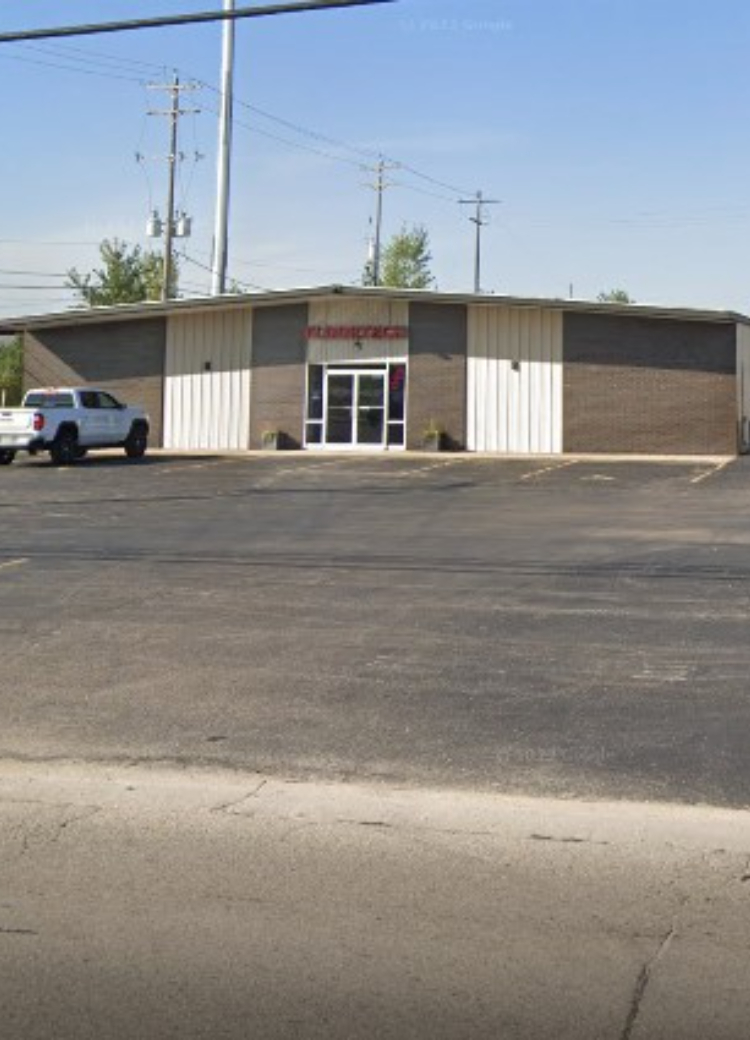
[
  {"x": 12, "y": 563},
  {"x": 710, "y": 472},
  {"x": 423, "y": 470},
  {"x": 196, "y": 466},
  {"x": 549, "y": 469}
]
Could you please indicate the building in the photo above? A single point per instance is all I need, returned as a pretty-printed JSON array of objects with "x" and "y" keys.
[{"x": 374, "y": 369}]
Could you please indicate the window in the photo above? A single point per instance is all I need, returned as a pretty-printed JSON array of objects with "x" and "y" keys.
[
  {"x": 314, "y": 425},
  {"x": 48, "y": 400},
  {"x": 107, "y": 401}
]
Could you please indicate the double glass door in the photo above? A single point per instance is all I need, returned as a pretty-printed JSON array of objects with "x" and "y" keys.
[{"x": 355, "y": 414}]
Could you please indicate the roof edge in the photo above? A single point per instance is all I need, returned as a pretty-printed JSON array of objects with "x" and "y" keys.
[{"x": 163, "y": 309}]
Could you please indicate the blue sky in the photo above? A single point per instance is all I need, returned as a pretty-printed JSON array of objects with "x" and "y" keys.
[{"x": 615, "y": 132}]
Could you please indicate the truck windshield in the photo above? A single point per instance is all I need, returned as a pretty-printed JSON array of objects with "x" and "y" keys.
[{"x": 48, "y": 401}]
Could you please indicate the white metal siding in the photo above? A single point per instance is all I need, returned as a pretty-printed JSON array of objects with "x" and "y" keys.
[
  {"x": 743, "y": 385},
  {"x": 208, "y": 410},
  {"x": 515, "y": 410},
  {"x": 357, "y": 312}
]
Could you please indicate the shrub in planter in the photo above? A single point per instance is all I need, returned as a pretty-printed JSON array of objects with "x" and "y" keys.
[
  {"x": 433, "y": 438},
  {"x": 272, "y": 440}
]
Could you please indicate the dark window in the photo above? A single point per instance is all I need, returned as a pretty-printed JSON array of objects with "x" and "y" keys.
[
  {"x": 107, "y": 401},
  {"x": 315, "y": 392},
  {"x": 396, "y": 392},
  {"x": 89, "y": 399},
  {"x": 396, "y": 435},
  {"x": 49, "y": 401}
]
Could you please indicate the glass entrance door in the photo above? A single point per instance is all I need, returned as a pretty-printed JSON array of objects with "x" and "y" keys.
[{"x": 355, "y": 409}]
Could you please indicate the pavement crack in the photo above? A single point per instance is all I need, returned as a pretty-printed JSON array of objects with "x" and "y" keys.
[
  {"x": 566, "y": 841},
  {"x": 642, "y": 983},
  {"x": 18, "y": 931},
  {"x": 228, "y": 807}
]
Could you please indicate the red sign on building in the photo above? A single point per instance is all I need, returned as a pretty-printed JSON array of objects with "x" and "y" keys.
[{"x": 356, "y": 332}]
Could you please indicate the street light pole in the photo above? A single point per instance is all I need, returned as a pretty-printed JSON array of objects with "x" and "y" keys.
[{"x": 224, "y": 162}]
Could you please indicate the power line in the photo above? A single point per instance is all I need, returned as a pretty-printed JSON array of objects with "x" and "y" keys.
[
  {"x": 71, "y": 68},
  {"x": 293, "y": 144},
  {"x": 37, "y": 288},
  {"x": 200, "y": 17},
  {"x": 36, "y": 274},
  {"x": 367, "y": 154},
  {"x": 92, "y": 57},
  {"x": 205, "y": 267}
]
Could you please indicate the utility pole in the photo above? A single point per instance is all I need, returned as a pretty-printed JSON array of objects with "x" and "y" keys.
[
  {"x": 223, "y": 168},
  {"x": 379, "y": 187},
  {"x": 481, "y": 220},
  {"x": 174, "y": 117},
  {"x": 172, "y": 227}
]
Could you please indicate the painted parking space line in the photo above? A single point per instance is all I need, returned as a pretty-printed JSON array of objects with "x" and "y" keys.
[
  {"x": 425, "y": 469},
  {"x": 549, "y": 469},
  {"x": 8, "y": 564},
  {"x": 191, "y": 467},
  {"x": 710, "y": 472}
]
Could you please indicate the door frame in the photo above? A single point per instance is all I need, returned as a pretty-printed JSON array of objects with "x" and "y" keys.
[
  {"x": 355, "y": 374},
  {"x": 373, "y": 367}
]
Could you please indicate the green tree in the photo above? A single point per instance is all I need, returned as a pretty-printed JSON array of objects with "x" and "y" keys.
[
  {"x": 11, "y": 371},
  {"x": 406, "y": 261},
  {"x": 615, "y": 296},
  {"x": 127, "y": 275}
]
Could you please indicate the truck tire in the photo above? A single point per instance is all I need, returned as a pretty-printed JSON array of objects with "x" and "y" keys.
[
  {"x": 137, "y": 441},
  {"x": 6, "y": 456},
  {"x": 64, "y": 449}
]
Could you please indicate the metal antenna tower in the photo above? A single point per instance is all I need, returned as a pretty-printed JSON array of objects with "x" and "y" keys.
[{"x": 481, "y": 220}]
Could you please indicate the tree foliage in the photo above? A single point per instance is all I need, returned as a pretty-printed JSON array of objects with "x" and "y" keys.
[
  {"x": 127, "y": 275},
  {"x": 406, "y": 260},
  {"x": 615, "y": 296},
  {"x": 11, "y": 371}
]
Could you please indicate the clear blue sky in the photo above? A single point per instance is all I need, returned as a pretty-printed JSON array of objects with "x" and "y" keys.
[{"x": 615, "y": 132}]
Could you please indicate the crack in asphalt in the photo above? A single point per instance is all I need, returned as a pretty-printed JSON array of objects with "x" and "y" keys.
[
  {"x": 290, "y": 560},
  {"x": 28, "y": 842},
  {"x": 227, "y": 807},
  {"x": 642, "y": 983},
  {"x": 566, "y": 841}
]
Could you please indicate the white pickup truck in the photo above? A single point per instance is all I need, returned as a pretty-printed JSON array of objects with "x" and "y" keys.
[{"x": 67, "y": 422}]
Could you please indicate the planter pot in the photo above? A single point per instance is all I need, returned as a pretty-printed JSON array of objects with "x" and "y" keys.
[
  {"x": 433, "y": 440},
  {"x": 272, "y": 440}
]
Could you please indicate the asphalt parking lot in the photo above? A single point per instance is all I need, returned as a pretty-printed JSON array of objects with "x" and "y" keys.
[{"x": 548, "y": 626}]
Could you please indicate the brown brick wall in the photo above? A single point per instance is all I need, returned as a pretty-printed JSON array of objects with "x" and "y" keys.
[
  {"x": 278, "y": 375},
  {"x": 437, "y": 372},
  {"x": 648, "y": 385},
  {"x": 125, "y": 357}
]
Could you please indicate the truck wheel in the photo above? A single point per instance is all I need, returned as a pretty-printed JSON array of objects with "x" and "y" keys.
[
  {"x": 137, "y": 442},
  {"x": 6, "y": 456},
  {"x": 64, "y": 449}
]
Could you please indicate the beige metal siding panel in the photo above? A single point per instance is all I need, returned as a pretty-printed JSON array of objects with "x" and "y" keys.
[
  {"x": 208, "y": 410},
  {"x": 515, "y": 380},
  {"x": 743, "y": 386}
]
